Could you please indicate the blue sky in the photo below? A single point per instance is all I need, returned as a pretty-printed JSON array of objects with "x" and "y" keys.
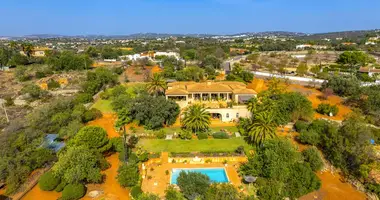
[{"x": 113, "y": 17}]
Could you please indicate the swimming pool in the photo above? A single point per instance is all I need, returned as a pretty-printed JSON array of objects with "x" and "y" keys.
[{"x": 216, "y": 175}]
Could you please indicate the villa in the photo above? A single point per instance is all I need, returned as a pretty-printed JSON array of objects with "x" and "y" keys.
[{"x": 224, "y": 100}]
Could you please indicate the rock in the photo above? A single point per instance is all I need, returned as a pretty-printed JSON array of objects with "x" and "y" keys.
[{"x": 95, "y": 193}]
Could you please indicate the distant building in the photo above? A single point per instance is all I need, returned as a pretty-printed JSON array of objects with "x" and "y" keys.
[
  {"x": 309, "y": 46},
  {"x": 37, "y": 52},
  {"x": 168, "y": 54},
  {"x": 239, "y": 51},
  {"x": 371, "y": 71},
  {"x": 348, "y": 43}
]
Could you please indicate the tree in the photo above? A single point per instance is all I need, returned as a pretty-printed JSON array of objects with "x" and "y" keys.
[
  {"x": 302, "y": 69},
  {"x": 34, "y": 91},
  {"x": 5, "y": 56},
  {"x": 212, "y": 61},
  {"x": 343, "y": 85},
  {"x": 193, "y": 185},
  {"x": 157, "y": 84},
  {"x": 27, "y": 48},
  {"x": 79, "y": 164},
  {"x": 313, "y": 157},
  {"x": 353, "y": 58},
  {"x": 128, "y": 175},
  {"x": 196, "y": 118},
  {"x": 280, "y": 171},
  {"x": 239, "y": 74},
  {"x": 48, "y": 181},
  {"x": 172, "y": 194},
  {"x": 148, "y": 197},
  {"x": 222, "y": 192},
  {"x": 92, "y": 137},
  {"x": 261, "y": 127}
]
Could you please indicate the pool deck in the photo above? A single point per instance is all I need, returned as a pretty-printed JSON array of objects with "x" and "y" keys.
[{"x": 160, "y": 181}]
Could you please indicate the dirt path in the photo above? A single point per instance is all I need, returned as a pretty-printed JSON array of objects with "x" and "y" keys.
[{"x": 106, "y": 122}]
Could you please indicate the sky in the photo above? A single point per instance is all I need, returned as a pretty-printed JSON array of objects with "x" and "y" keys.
[{"x": 122, "y": 17}]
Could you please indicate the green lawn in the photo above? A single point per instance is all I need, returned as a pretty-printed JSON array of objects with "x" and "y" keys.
[
  {"x": 179, "y": 146},
  {"x": 103, "y": 105}
]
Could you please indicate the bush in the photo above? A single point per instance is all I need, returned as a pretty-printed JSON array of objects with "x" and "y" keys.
[
  {"x": 9, "y": 101},
  {"x": 202, "y": 136},
  {"x": 91, "y": 114},
  {"x": 313, "y": 157},
  {"x": 52, "y": 84},
  {"x": 128, "y": 175},
  {"x": 73, "y": 192},
  {"x": 240, "y": 150},
  {"x": 185, "y": 135},
  {"x": 309, "y": 137},
  {"x": 61, "y": 186},
  {"x": 83, "y": 98},
  {"x": 40, "y": 74},
  {"x": 326, "y": 109},
  {"x": 161, "y": 134},
  {"x": 220, "y": 135},
  {"x": 136, "y": 191},
  {"x": 117, "y": 144},
  {"x": 300, "y": 126},
  {"x": 118, "y": 70},
  {"x": 48, "y": 181}
]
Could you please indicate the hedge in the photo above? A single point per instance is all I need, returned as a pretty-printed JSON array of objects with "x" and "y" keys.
[
  {"x": 48, "y": 181},
  {"x": 202, "y": 136},
  {"x": 326, "y": 109},
  {"x": 220, "y": 135},
  {"x": 73, "y": 192}
]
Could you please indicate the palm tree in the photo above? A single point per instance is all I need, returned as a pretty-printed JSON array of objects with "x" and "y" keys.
[
  {"x": 27, "y": 48},
  {"x": 196, "y": 118},
  {"x": 262, "y": 127},
  {"x": 157, "y": 84}
]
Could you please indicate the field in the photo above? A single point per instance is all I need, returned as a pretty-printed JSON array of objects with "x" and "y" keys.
[
  {"x": 103, "y": 105},
  {"x": 178, "y": 146}
]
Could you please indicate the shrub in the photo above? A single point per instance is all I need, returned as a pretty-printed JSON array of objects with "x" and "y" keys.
[
  {"x": 326, "y": 109},
  {"x": 240, "y": 150},
  {"x": 172, "y": 194},
  {"x": 61, "y": 186},
  {"x": 92, "y": 114},
  {"x": 118, "y": 70},
  {"x": 52, "y": 84},
  {"x": 185, "y": 135},
  {"x": 313, "y": 157},
  {"x": 73, "y": 192},
  {"x": 202, "y": 136},
  {"x": 83, "y": 98},
  {"x": 161, "y": 134},
  {"x": 9, "y": 101},
  {"x": 40, "y": 74},
  {"x": 48, "y": 181},
  {"x": 117, "y": 144},
  {"x": 136, "y": 192},
  {"x": 301, "y": 125},
  {"x": 220, "y": 135},
  {"x": 128, "y": 175},
  {"x": 309, "y": 137}
]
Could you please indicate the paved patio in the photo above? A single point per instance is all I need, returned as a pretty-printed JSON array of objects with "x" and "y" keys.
[{"x": 158, "y": 180}]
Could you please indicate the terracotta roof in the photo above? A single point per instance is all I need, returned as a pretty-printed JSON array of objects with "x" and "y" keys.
[
  {"x": 176, "y": 88},
  {"x": 367, "y": 69}
]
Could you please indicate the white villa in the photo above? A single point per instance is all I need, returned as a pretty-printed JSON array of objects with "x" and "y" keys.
[{"x": 224, "y": 100}]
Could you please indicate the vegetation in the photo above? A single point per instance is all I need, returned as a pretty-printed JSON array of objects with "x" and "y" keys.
[
  {"x": 73, "y": 192},
  {"x": 239, "y": 74},
  {"x": 210, "y": 145},
  {"x": 48, "y": 181},
  {"x": 327, "y": 109},
  {"x": 193, "y": 185},
  {"x": 196, "y": 118},
  {"x": 128, "y": 175},
  {"x": 313, "y": 157},
  {"x": 93, "y": 138},
  {"x": 280, "y": 170}
]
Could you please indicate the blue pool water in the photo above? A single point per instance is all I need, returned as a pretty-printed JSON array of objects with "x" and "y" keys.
[{"x": 217, "y": 175}]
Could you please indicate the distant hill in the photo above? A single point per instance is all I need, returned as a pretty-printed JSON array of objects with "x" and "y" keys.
[{"x": 297, "y": 35}]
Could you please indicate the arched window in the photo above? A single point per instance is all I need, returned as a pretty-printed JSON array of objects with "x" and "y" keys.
[
  {"x": 237, "y": 115},
  {"x": 228, "y": 115}
]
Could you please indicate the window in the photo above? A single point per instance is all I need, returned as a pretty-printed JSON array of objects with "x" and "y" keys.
[
  {"x": 237, "y": 115},
  {"x": 228, "y": 115}
]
